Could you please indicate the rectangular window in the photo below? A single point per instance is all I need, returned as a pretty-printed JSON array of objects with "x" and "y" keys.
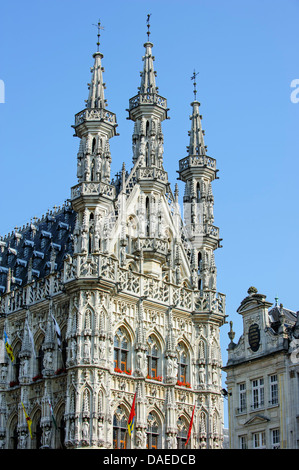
[
  {"x": 243, "y": 442},
  {"x": 259, "y": 440},
  {"x": 123, "y": 362},
  {"x": 273, "y": 390},
  {"x": 154, "y": 364},
  {"x": 152, "y": 441},
  {"x": 242, "y": 397},
  {"x": 257, "y": 393},
  {"x": 275, "y": 438},
  {"x": 115, "y": 358}
]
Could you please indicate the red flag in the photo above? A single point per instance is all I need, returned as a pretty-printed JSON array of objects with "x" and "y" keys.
[
  {"x": 190, "y": 426},
  {"x": 132, "y": 417}
]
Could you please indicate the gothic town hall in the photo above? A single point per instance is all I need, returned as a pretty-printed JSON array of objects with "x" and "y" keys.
[{"x": 113, "y": 295}]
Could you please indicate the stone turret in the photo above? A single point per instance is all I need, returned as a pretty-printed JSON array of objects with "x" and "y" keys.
[{"x": 197, "y": 171}]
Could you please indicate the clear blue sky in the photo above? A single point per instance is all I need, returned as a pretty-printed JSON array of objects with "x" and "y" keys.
[{"x": 246, "y": 53}]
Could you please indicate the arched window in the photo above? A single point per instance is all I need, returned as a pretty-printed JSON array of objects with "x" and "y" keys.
[
  {"x": 37, "y": 431},
  {"x": 39, "y": 359},
  {"x": 198, "y": 192},
  {"x": 147, "y": 156},
  {"x": 182, "y": 434},
  {"x": 61, "y": 431},
  {"x": 121, "y": 351},
  {"x": 93, "y": 144},
  {"x": 152, "y": 358},
  {"x": 120, "y": 421},
  {"x": 199, "y": 262},
  {"x": 182, "y": 364},
  {"x": 14, "y": 435},
  {"x": 16, "y": 364},
  {"x": 152, "y": 432},
  {"x": 64, "y": 351},
  {"x": 147, "y": 210}
]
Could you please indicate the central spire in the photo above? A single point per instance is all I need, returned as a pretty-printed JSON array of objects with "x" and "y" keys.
[
  {"x": 147, "y": 101},
  {"x": 148, "y": 109}
]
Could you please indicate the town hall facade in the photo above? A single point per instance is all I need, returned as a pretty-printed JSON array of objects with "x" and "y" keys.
[{"x": 114, "y": 294}]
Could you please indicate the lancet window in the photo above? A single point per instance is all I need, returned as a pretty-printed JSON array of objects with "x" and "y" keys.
[
  {"x": 120, "y": 429},
  {"x": 152, "y": 432},
  {"x": 182, "y": 434},
  {"x": 121, "y": 350},
  {"x": 182, "y": 364},
  {"x": 152, "y": 358}
]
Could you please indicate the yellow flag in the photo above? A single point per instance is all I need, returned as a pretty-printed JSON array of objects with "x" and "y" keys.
[
  {"x": 28, "y": 419},
  {"x": 8, "y": 347}
]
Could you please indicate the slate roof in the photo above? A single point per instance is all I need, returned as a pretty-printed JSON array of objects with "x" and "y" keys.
[
  {"x": 33, "y": 245},
  {"x": 275, "y": 313}
]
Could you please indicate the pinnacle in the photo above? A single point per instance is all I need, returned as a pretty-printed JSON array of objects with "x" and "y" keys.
[{"x": 96, "y": 98}]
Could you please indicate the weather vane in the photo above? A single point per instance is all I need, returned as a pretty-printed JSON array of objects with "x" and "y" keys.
[
  {"x": 194, "y": 83},
  {"x": 148, "y": 25},
  {"x": 99, "y": 33}
]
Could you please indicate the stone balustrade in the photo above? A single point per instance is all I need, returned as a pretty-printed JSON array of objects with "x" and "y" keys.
[
  {"x": 93, "y": 114},
  {"x": 102, "y": 266},
  {"x": 197, "y": 160},
  {"x": 147, "y": 98},
  {"x": 93, "y": 188}
]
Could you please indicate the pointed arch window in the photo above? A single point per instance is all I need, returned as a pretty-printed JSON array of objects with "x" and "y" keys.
[
  {"x": 152, "y": 432},
  {"x": 14, "y": 435},
  {"x": 198, "y": 192},
  {"x": 16, "y": 365},
  {"x": 182, "y": 434},
  {"x": 120, "y": 420},
  {"x": 93, "y": 144},
  {"x": 199, "y": 262},
  {"x": 121, "y": 351},
  {"x": 152, "y": 358},
  {"x": 61, "y": 432},
  {"x": 147, "y": 210},
  {"x": 182, "y": 364},
  {"x": 39, "y": 362}
]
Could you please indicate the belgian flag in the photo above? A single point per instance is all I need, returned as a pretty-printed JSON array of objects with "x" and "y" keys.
[{"x": 132, "y": 417}]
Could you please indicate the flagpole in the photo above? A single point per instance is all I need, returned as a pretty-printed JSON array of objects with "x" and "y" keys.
[{"x": 190, "y": 426}]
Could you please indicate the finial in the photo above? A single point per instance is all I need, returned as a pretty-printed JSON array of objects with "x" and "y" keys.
[
  {"x": 194, "y": 83},
  {"x": 231, "y": 333},
  {"x": 99, "y": 34},
  {"x": 148, "y": 26},
  {"x": 276, "y": 301},
  {"x": 252, "y": 290}
]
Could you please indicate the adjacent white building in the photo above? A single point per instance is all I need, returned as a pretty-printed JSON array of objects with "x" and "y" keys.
[{"x": 263, "y": 377}]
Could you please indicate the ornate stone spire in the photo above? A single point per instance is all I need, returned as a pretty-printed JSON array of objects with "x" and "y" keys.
[
  {"x": 96, "y": 98},
  {"x": 95, "y": 125},
  {"x": 198, "y": 170},
  {"x": 148, "y": 109},
  {"x": 148, "y": 75},
  {"x": 196, "y": 145}
]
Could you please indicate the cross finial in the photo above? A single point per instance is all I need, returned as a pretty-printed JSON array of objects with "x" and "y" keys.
[
  {"x": 148, "y": 26},
  {"x": 194, "y": 83},
  {"x": 99, "y": 33}
]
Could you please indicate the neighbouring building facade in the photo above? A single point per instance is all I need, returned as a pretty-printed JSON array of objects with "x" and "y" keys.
[
  {"x": 263, "y": 377},
  {"x": 115, "y": 294}
]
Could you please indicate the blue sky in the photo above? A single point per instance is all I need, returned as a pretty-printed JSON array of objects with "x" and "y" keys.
[{"x": 246, "y": 54}]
